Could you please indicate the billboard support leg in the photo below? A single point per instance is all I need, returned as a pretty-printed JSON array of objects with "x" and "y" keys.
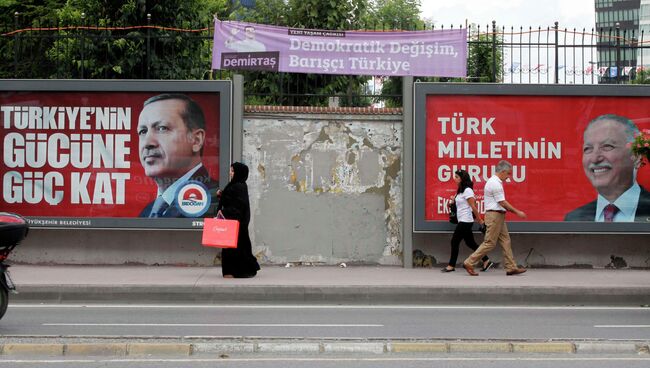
[{"x": 407, "y": 171}]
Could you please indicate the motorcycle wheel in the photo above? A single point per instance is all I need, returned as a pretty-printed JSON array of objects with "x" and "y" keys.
[{"x": 4, "y": 301}]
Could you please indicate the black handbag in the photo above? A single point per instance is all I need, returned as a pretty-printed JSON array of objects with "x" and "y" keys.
[{"x": 452, "y": 213}]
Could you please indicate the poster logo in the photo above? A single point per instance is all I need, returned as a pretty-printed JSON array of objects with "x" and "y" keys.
[
  {"x": 193, "y": 199},
  {"x": 266, "y": 61}
]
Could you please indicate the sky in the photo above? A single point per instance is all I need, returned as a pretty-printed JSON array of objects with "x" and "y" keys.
[{"x": 569, "y": 13}]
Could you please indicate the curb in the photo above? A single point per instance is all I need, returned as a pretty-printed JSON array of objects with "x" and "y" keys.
[
  {"x": 334, "y": 294},
  {"x": 321, "y": 347}
]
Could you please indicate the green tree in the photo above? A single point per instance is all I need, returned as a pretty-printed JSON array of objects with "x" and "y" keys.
[
  {"x": 331, "y": 15},
  {"x": 305, "y": 89},
  {"x": 30, "y": 12},
  {"x": 484, "y": 52},
  {"x": 641, "y": 77},
  {"x": 273, "y": 12},
  {"x": 17, "y": 47},
  {"x": 130, "y": 53},
  {"x": 394, "y": 14},
  {"x": 136, "y": 53}
]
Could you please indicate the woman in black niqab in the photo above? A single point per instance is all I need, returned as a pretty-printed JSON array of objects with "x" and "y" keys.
[{"x": 234, "y": 205}]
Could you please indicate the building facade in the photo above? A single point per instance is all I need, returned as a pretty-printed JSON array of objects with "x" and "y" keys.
[
  {"x": 618, "y": 24},
  {"x": 643, "y": 54}
]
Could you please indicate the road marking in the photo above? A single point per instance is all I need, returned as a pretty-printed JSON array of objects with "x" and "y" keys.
[
  {"x": 207, "y": 325},
  {"x": 298, "y": 306},
  {"x": 622, "y": 326}
]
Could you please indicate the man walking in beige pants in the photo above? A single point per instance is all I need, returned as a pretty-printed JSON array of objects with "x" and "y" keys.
[{"x": 495, "y": 220}]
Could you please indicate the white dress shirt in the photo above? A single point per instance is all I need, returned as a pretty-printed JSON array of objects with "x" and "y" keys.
[{"x": 626, "y": 204}]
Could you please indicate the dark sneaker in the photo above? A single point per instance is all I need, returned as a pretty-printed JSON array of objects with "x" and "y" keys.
[{"x": 487, "y": 266}]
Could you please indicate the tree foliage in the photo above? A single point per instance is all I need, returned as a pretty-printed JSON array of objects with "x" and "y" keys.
[
  {"x": 332, "y": 14},
  {"x": 15, "y": 14},
  {"x": 305, "y": 89},
  {"x": 484, "y": 53},
  {"x": 394, "y": 14},
  {"x": 641, "y": 77},
  {"x": 273, "y": 12},
  {"x": 111, "y": 52},
  {"x": 140, "y": 53}
]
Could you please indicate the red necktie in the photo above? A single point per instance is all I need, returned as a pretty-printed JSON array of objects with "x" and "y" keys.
[{"x": 609, "y": 212}]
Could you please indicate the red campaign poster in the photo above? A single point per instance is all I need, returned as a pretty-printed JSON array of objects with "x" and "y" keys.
[
  {"x": 542, "y": 137},
  {"x": 78, "y": 154}
]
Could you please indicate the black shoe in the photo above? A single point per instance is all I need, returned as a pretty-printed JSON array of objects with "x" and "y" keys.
[
  {"x": 487, "y": 266},
  {"x": 516, "y": 271},
  {"x": 447, "y": 270}
]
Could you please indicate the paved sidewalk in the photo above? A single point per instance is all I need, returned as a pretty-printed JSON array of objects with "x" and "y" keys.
[{"x": 328, "y": 284}]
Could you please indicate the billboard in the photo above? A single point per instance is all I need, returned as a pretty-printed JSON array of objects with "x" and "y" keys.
[
  {"x": 564, "y": 175},
  {"x": 250, "y": 46},
  {"x": 114, "y": 154}
]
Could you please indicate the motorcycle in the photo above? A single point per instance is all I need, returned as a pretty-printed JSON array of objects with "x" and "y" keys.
[{"x": 13, "y": 229}]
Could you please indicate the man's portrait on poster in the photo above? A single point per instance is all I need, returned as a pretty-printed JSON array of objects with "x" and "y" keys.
[
  {"x": 247, "y": 44},
  {"x": 171, "y": 135},
  {"x": 611, "y": 168}
]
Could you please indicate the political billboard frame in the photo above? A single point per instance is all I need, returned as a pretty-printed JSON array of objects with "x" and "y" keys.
[
  {"x": 215, "y": 96},
  {"x": 426, "y": 220}
]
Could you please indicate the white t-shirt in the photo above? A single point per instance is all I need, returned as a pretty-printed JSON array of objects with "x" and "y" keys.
[
  {"x": 463, "y": 210},
  {"x": 494, "y": 194}
]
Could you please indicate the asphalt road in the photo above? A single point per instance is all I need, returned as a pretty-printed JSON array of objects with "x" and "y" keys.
[{"x": 423, "y": 322}]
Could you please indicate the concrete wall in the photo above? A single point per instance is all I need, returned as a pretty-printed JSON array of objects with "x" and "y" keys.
[
  {"x": 325, "y": 188},
  {"x": 552, "y": 250},
  {"x": 160, "y": 247}
]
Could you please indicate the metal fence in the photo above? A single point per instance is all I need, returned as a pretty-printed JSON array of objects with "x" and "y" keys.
[{"x": 497, "y": 54}]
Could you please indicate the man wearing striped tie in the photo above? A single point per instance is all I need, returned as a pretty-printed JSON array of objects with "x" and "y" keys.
[{"x": 611, "y": 168}]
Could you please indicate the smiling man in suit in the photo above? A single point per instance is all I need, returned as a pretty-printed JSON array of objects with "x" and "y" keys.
[
  {"x": 171, "y": 135},
  {"x": 611, "y": 168}
]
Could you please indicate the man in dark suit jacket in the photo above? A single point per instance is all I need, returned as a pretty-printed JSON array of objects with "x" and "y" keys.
[
  {"x": 172, "y": 210},
  {"x": 171, "y": 134},
  {"x": 611, "y": 168},
  {"x": 588, "y": 211}
]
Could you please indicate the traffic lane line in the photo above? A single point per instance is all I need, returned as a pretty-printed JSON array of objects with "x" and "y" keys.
[
  {"x": 622, "y": 326},
  {"x": 207, "y": 325},
  {"x": 298, "y": 306}
]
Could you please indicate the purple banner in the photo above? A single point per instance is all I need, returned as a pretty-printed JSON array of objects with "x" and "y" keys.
[{"x": 250, "y": 46}]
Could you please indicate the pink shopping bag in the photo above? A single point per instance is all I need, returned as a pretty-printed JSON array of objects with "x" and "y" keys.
[{"x": 220, "y": 233}]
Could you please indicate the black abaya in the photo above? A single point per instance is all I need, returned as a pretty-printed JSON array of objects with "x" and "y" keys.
[{"x": 234, "y": 205}]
